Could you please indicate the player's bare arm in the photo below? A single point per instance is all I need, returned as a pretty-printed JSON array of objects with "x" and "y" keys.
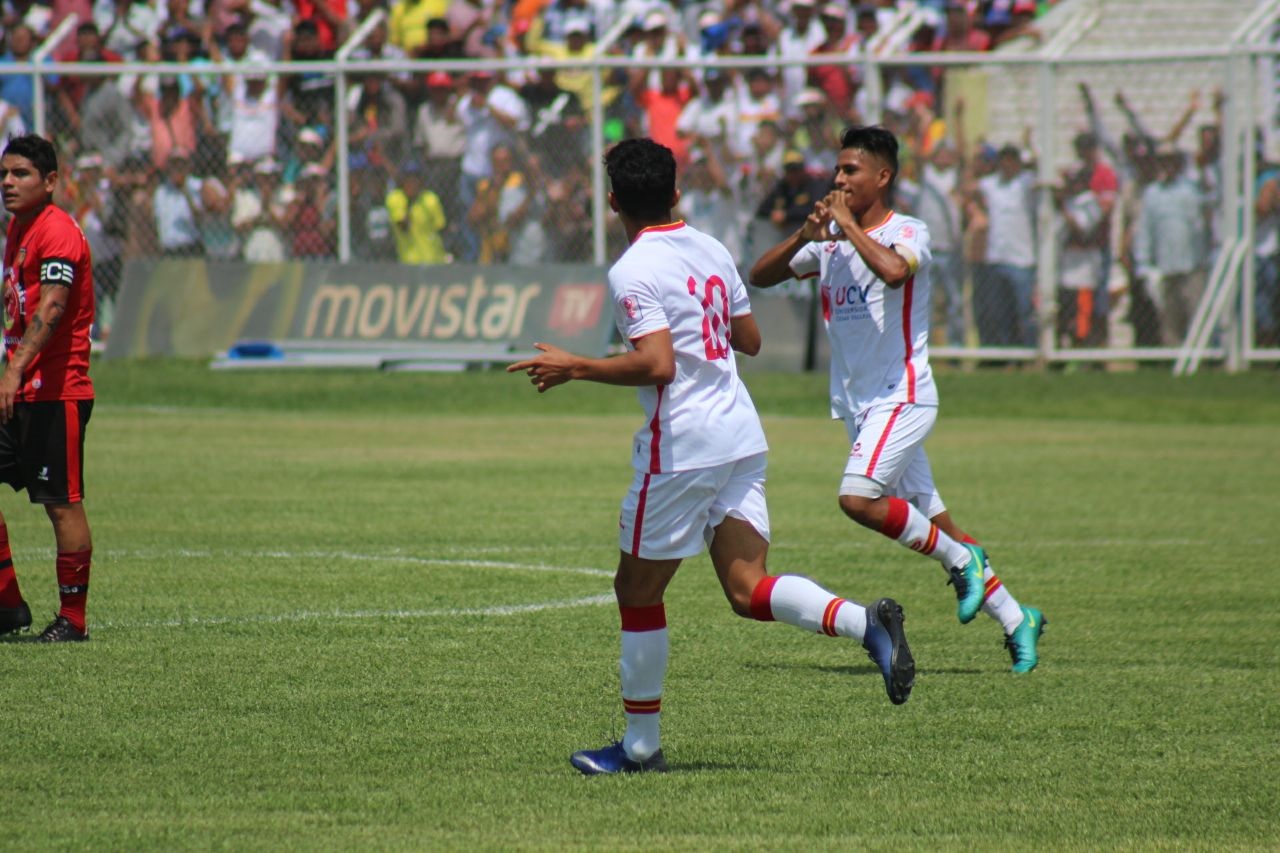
[
  {"x": 53, "y": 302},
  {"x": 744, "y": 334},
  {"x": 774, "y": 266},
  {"x": 652, "y": 362}
]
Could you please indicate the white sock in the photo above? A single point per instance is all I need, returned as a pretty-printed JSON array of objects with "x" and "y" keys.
[
  {"x": 800, "y": 602},
  {"x": 643, "y": 666},
  {"x": 910, "y": 527},
  {"x": 999, "y": 604}
]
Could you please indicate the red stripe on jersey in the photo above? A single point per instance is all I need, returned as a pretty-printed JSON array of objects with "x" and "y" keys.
[
  {"x": 655, "y": 430},
  {"x": 908, "y": 291},
  {"x": 75, "y": 471},
  {"x": 642, "y": 706},
  {"x": 670, "y": 226},
  {"x": 651, "y": 618},
  {"x": 638, "y": 524},
  {"x": 884, "y": 436},
  {"x": 829, "y": 616},
  {"x": 761, "y": 610}
]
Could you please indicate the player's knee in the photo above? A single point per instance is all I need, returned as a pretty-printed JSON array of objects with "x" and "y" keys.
[{"x": 858, "y": 495}]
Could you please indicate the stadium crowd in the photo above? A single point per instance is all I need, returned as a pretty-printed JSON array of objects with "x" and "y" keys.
[{"x": 493, "y": 167}]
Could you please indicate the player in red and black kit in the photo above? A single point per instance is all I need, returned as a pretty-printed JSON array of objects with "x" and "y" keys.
[{"x": 45, "y": 393}]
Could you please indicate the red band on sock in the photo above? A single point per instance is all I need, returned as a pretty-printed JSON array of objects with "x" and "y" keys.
[
  {"x": 992, "y": 584},
  {"x": 968, "y": 540},
  {"x": 642, "y": 706},
  {"x": 652, "y": 618},
  {"x": 829, "y": 617},
  {"x": 761, "y": 610},
  {"x": 10, "y": 594},
  {"x": 896, "y": 521},
  {"x": 73, "y": 585}
]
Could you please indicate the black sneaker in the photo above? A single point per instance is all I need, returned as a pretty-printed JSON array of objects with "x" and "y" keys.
[
  {"x": 61, "y": 630},
  {"x": 15, "y": 619}
]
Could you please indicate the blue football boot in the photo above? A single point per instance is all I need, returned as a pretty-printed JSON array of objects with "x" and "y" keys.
[
  {"x": 886, "y": 645},
  {"x": 1022, "y": 643},
  {"x": 970, "y": 587},
  {"x": 613, "y": 759}
]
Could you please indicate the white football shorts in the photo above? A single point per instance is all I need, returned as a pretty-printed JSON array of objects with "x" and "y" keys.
[
  {"x": 673, "y": 516},
  {"x": 887, "y": 457}
]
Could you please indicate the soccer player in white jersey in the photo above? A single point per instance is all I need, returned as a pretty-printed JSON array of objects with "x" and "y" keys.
[
  {"x": 872, "y": 266},
  {"x": 699, "y": 457}
]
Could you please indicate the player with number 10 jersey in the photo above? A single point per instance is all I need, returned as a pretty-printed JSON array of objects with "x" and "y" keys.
[{"x": 677, "y": 278}]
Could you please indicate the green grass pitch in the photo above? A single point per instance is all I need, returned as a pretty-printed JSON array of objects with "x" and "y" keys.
[{"x": 357, "y": 610}]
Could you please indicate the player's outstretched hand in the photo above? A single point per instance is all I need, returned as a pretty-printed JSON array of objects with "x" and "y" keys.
[
  {"x": 9, "y": 384},
  {"x": 554, "y": 367}
]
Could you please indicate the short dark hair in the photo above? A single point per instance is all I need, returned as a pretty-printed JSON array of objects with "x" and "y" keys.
[
  {"x": 37, "y": 149},
  {"x": 642, "y": 175},
  {"x": 875, "y": 140}
]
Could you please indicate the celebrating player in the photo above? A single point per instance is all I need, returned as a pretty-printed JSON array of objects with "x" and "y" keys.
[
  {"x": 682, "y": 308},
  {"x": 45, "y": 393},
  {"x": 873, "y": 269}
]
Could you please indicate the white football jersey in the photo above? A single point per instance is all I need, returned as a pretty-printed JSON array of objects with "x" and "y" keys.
[
  {"x": 879, "y": 335},
  {"x": 677, "y": 278}
]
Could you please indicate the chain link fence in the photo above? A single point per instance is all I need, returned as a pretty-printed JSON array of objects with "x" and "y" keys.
[{"x": 1077, "y": 207}]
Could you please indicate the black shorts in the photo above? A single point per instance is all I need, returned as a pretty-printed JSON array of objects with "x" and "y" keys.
[{"x": 42, "y": 450}]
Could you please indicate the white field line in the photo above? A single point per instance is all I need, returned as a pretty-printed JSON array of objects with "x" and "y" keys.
[{"x": 330, "y": 615}]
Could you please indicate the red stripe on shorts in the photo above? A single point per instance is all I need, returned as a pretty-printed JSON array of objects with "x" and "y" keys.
[
  {"x": 655, "y": 428},
  {"x": 75, "y": 478},
  {"x": 884, "y": 436},
  {"x": 638, "y": 524}
]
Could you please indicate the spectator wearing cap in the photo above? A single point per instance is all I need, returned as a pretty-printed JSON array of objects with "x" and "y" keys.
[
  {"x": 658, "y": 41},
  {"x": 312, "y": 216},
  {"x": 255, "y": 116},
  {"x": 371, "y": 237},
  {"x": 417, "y": 218},
  {"x": 575, "y": 43},
  {"x": 838, "y": 81},
  {"x": 309, "y": 147},
  {"x": 801, "y": 35},
  {"x": 378, "y": 120},
  {"x": 1104, "y": 188},
  {"x": 177, "y": 207},
  {"x": 1170, "y": 243},
  {"x": 757, "y": 102},
  {"x": 492, "y": 114},
  {"x": 817, "y": 134},
  {"x": 440, "y": 139},
  {"x": 550, "y": 25},
  {"x": 1004, "y": 285},
  {"x": 258, "y": 213},
  {"x": 792, "y": 197},
  {"x": 407, "y": 21}
]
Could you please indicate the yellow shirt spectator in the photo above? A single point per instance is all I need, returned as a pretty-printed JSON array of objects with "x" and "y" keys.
[
  {"x": 416, "y": 224},
  {"x": 407, "y": 22}
]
